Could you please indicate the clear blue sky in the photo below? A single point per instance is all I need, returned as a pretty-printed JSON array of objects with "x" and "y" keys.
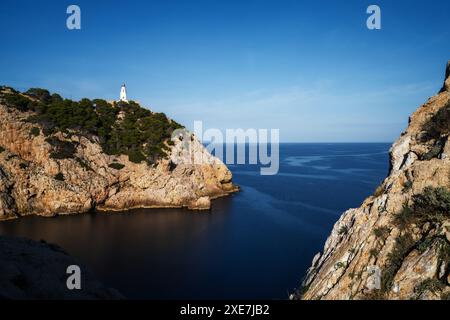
[{"x": 310, "y": 68}]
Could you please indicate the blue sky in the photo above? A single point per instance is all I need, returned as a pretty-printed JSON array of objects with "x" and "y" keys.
[{"x": 310, "y": 68}]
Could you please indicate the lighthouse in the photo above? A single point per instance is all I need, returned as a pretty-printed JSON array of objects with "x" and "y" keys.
[{"x": 123, "y": 93}]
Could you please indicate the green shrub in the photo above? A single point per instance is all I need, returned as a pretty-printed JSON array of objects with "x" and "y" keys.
[
  {"x": 433, "y": 205},
  {"x": 83, "y": 164},
  {"x": 432, "y": 285},
  {"x": 136, "y": 156},
  {"x": 23, "y": 166},
  {"x": 2, "y": 149},
  {"x": 381, "y": 232},
  {"x": 403, "y": 245},
  {"x": 438, "y": 125},
  {"x": 59, "y": 176},
  {"x": 116, "y": 165},
  {"x": 407, "y": 186},
  {"x": 343, "y": 230},
  {"x": 38, "y": 93},
  {"x": 404, "y": 218},
  {"x": 61, "y": 149},
  {"x": 18, "y": 101},
  {"x": 422, "y": 246},
  {"x": 35, "y": 131},
  {"x": 374, "y": 252}
]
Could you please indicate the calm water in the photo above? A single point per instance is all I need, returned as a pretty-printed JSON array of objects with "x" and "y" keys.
[{"x": 256, "y": 244}]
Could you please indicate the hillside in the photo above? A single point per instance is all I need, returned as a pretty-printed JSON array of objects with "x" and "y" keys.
[
  {"x": 59, "y": 156},
  {"x": 397, "y": 244}
]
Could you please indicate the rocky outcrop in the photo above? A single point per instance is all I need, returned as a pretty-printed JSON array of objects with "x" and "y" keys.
[
  {"x": 32, "y": 182},
  {"x": 37, "y": 270},
  {"x": 397, "y": 244}
]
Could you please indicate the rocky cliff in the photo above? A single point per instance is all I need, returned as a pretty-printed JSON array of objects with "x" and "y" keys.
[
  {"x": 36, "y": 179},
  {"x": 397, "y": 244}
]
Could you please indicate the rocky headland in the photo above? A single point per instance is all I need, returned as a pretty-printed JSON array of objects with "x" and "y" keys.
[
  {"x": 397, "y": 244},
  {"x": 61, "y": 157}
]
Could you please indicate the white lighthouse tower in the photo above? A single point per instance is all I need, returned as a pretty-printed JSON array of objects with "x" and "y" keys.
[{"x": 123, "y": 93}]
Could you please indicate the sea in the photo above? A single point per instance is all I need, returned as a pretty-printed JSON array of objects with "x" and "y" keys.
[{"x": 255, "y": 244}]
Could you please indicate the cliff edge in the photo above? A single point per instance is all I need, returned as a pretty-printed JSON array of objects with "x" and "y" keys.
[{"x": 397, "y": 244}]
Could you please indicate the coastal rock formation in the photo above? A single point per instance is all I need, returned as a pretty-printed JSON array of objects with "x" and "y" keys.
[
  {"x": 397, "y": 244},
  {"x": 37, "y": 270},
  {"x": 33, "y": 181}
]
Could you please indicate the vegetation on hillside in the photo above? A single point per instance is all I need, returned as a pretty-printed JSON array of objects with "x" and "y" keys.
[
  {"x": 436, "y": 130},
  {"x": 138, "y": 132},
  {"x": 439, "y": 124}
]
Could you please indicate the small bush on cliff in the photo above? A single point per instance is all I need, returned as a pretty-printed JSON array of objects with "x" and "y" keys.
[
  {"x": 61, "y": 149},
  {"x": 18, "y": 101},
  {"x": 343, "y": 230},
  {"x": 374, "y": 252},
  {"x": 35, "y": 131},
  {"x": 116, "y": 165},
  {"x": 40, "y": 94},
  {"x": 84, "y": 164},
  {"x": 432, "y": 285},
  {"x": 59, "y": 176},
  {"x": 404, "y": 218},
  {"x": 136, "y": 156},
  {"x": 403, "y": 245},
  {"x": 432, "y": 205},
  {"x": 438, "y": 125},
  {"x": 407, "y": 186},
  {"x": 2, "y": 149},
  {"x": 381, "y": 232}
]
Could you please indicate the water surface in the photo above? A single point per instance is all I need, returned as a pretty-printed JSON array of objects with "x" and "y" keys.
[{"x": 256, "y": 244}]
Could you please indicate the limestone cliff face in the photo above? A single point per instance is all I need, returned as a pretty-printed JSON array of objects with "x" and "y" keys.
[
  {"x": 370, "y": 254},
  {"x": 32, "y": 182}
]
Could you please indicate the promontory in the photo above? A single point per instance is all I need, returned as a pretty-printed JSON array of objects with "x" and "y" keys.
[{"x": 59, "y": 156}]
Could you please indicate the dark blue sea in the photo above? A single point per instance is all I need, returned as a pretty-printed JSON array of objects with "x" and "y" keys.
[{"x": 256, "y": 244}]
